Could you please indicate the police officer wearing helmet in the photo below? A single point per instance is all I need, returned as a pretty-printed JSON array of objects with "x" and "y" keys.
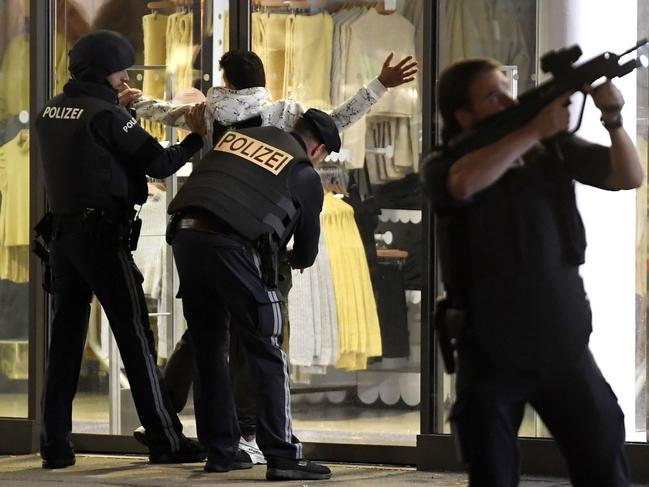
[
  {"x": 237, "y": 210},
  {"x": 96, "y": 158}
]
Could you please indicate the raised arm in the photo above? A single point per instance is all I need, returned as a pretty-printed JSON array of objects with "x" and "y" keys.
[
  {"x": 160, "y": 111},
  {"x": 360, "y": 104},
  {"x": 626, "y": 168},
  {"x": 481, "y": 168}
]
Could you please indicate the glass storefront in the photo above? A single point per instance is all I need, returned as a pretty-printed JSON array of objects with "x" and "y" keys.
[
  {"x": 353, "y": 340},
  {"x": 355, "y": 355},
  {"x": 14, "y": 207},
  {"x": 358, "y": 319}
]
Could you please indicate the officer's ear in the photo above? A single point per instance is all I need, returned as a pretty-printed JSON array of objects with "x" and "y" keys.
[
  {"x": 321, "y": 152},
  {"x": 316, "y": 153}
]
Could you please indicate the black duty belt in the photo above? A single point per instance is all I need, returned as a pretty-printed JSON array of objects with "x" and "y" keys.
[
  {"x": 192, "y": 223},
  {"x": 90, "y": 219},
  {"x": 208, "y": 225}
]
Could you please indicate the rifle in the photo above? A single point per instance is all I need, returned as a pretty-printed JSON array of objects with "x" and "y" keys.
[{"x": 566, "y": 77}]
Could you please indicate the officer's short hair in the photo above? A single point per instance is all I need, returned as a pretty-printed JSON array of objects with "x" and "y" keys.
[
  {"x": 243, "y": 69},
  {"x": 306, "y": 130},
  {"x": 453, "y": 90}
]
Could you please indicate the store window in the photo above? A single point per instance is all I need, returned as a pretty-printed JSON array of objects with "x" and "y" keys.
[
  {"x": 504, "y": 30},
  {"x": 354, "y": 336},
  {"x": 354, "y": 317},
  {"x": 14, "y": 207},
  {"x": 516, "y": 33}
]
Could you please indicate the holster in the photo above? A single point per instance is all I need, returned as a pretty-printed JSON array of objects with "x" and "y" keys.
[
  {"x": 449, "y": 322},
  {"x": 135, "y": 227},
  {"x": 268, "y": 253},
  {"x": 172, "y": 227},
  {"x": 40, "y": 246}
]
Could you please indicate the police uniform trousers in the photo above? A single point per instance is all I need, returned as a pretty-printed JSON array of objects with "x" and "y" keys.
[
  {"x": 575, "y": 402},
  {"x": 85, "y": 261},
  {"x": 178, "y": 372},
  {"x": 220, "y": 277}
]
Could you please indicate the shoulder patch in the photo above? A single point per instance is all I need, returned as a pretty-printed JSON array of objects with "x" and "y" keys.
[{"x": 129, "y": 125}]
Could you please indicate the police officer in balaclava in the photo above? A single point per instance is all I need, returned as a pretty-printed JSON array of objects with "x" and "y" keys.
[{"x": 96, "y": 158}]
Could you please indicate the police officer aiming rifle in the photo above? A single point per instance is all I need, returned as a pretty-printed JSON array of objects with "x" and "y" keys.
[{"x": 511, "y": 242}]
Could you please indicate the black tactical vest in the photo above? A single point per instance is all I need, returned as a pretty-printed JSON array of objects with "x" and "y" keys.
[
  {"x": 79, "y": 172},
  {"x": 244, "y": 182}
]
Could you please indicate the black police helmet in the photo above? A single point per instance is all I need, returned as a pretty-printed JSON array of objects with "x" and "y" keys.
[{"x": 100, "y": 53}]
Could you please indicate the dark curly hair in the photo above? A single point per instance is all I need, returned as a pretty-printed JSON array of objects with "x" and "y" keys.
[{"x": 243, "y": 69}]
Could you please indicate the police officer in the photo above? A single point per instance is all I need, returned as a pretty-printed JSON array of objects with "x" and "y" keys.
[
  {"x": 237, "y": 210},
  {"x": 95, "y": 157},
  {"x": 511, "y": 242},
  {"x": 244, "y": 102}
]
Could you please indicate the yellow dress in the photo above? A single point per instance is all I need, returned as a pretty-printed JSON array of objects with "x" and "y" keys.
[
  {"x": 309, "y": 51},
  {"x": 358, "y": 323},
  {"x": 269, "y": 43},
  {"x": 14, "y": 210},
  {"x": 14, "y": 77},
  {"x": 180, "y": 50},
  {"x": 154, "y": 27}
]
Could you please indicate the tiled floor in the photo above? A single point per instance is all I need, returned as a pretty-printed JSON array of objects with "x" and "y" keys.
[{"x": 106, "y": 471}]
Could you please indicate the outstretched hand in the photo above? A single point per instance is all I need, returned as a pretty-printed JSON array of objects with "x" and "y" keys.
[{"x": 403, "y": 72}]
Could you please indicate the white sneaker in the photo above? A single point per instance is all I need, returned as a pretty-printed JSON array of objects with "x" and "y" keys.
[{"x": 253, "y": 451}]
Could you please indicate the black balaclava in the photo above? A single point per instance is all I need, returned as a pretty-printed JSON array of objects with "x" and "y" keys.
[{"x": 98, "y": 54}]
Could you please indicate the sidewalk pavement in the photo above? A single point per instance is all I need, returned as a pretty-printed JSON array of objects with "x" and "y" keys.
[{"x": 135, "y": 471}]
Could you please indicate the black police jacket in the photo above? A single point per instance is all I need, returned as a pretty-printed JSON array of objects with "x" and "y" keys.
[
  {"x": 510, "y": 254},
  {"x": 244, "y": 182},
  {"x": 96, "y": 155}
]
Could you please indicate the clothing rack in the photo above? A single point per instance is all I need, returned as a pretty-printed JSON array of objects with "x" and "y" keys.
[
  {"x": 388, "y": 150},
  {"x": 290, "y": 4},
  {"x": 378, "y": 6},
  {"x": 308, "y": 5},
  {"x": 170, "y": 5}
]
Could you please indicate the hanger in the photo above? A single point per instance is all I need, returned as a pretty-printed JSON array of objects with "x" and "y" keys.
[
  {"x": 270, "y": 3},
  {"x": 170, "y": 4},
  {"x": 291, "y": 4},
  {"x": 380, "y": 8},
  {"x": 388, "y": 150}
]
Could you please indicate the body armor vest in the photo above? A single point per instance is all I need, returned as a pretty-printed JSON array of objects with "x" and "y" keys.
[
  {"x": 244, "y": 182},
  {"x": 79, "y": 172}
]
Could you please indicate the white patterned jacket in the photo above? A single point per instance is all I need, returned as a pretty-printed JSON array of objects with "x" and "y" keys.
[{"x": 228, "y": 106}]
